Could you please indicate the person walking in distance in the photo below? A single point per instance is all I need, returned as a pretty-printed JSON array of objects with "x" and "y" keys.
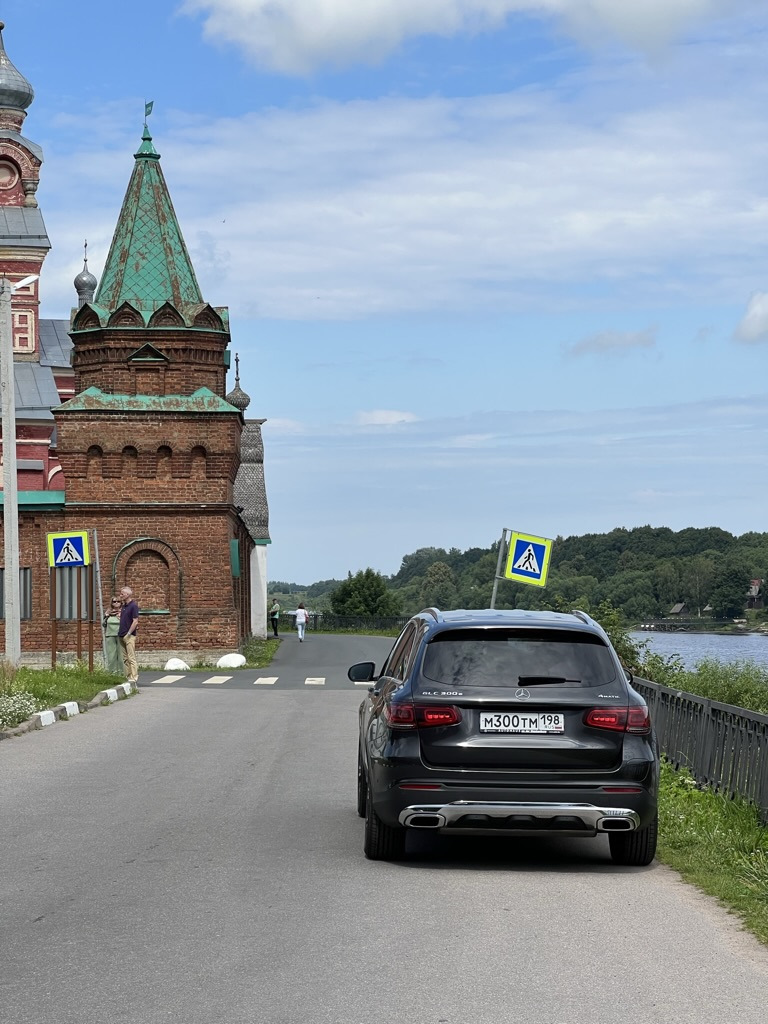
[
  {"x": 129, "y": 624},
  {"x": 274, "y": 614},
  {"x": 302, "y": 618}
]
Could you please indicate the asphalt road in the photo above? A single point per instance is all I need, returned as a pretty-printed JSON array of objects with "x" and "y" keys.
[{"x": 193, "y": 855}]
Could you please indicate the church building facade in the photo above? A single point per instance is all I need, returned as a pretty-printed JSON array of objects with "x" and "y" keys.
[{"x": 125, "y": 428}]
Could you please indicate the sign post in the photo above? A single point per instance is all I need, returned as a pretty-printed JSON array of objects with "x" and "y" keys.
[
  {"x": 527, "y": 559},
  {"x": 71, "y": 550}
]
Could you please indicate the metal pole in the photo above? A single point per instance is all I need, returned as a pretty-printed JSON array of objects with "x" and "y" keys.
[
  {"x": 99, "y": 590},
  {"x": 10, "y": 481},
  {"x": 499, "y": 561}
]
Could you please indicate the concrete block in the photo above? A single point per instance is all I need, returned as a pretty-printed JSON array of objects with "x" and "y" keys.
[
  {"x": 68, "y": 709},
  {"x": 43, "y": 718}
]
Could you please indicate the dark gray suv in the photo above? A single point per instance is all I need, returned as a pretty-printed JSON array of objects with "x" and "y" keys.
[{"x": 505, "y": 723}]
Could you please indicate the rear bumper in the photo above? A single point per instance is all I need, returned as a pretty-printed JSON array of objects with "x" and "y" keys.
[{"x": 470, "y": 817}]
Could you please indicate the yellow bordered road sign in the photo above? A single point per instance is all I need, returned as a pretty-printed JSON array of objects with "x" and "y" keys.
[
  {"x": 68, "y": 549},
  {"x": 528, "y": 559}
]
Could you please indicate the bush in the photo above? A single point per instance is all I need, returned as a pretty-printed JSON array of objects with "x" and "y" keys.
[{"x": 16, "y": 706}]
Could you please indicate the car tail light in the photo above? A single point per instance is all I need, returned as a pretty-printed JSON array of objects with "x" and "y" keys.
[
  {"x": 634, "y": 719},
  {"x": 421, "y": 716}
]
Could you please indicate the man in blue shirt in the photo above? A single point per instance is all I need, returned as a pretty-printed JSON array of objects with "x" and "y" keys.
[{"x": 129, "y": 624}]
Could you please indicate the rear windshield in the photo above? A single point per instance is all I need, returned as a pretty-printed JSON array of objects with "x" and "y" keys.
[{"x": 512, "y": 658}]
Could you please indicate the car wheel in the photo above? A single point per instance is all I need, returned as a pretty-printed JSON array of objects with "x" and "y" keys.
[
  {"x": 362, "y": 787},
  {"x": 382, "y": 842},
  {"x": 635, "y": 848}
]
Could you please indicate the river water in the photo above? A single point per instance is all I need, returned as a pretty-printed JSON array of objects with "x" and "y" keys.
[{"x": 695, "y": 647}]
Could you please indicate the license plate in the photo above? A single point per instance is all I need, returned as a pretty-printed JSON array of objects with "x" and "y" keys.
[{"x": 521, "y": 721}]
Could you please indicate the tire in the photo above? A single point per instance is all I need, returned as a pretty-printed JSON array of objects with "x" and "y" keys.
[
  {"x": 382, "y": 842},
  {"x": 362, "y": 786},
  {"x": 636, "y": 849}
]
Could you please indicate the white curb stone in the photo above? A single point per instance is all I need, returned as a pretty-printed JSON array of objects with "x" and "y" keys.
[
  {"x": 42, "y": 718},
  {"x": 69, "y": 709},
  {"x": 125, "y": 688},
  {"x": 110, "y": 695}
]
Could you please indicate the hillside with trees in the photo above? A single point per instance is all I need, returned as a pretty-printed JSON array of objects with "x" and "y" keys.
[{"x": 642, "y": 572}]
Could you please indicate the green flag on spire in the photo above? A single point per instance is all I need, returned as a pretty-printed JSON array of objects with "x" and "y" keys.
[{"x": 148, "y": 108}]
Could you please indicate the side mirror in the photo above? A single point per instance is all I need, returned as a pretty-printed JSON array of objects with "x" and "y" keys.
[
  {"x": 629, "y": 676},
  {"x": 363, "y": 672}
]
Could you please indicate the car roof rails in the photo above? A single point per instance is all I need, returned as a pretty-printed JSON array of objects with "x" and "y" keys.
[
  {"x": 436, "y": 614},
  {"x": 583, "y": 616}
]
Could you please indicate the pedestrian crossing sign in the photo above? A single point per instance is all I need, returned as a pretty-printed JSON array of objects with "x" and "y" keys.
[
  {"x": 528, "y": 559},
  {"x": 68, "y": 550}
]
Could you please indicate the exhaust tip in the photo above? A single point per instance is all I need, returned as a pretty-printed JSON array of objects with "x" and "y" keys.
[
  {"x": 615, "y": 825},
  {"x": 425, "y": 821}
]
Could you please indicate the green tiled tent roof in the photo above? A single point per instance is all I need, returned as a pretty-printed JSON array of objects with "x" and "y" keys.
[
  {"x": 94, "y": 400},
  {"x": 148, "y": 263}
]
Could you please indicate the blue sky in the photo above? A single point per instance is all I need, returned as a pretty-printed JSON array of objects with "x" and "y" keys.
[{"x": 489, "y": 263}]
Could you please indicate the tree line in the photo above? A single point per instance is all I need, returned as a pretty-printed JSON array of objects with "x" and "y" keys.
[{"x": 641, "y": 572}]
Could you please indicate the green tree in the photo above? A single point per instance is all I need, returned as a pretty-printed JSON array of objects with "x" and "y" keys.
[
  {"x": 729, "y": 589},
  {"x": 439, "y": 587},
  {"x": 365, "y": 593}
]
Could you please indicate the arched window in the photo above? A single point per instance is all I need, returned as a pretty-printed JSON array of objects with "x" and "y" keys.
[
  {"x": 94, "y": 457},
  {"x": 199, "y": 467},
  {"x": 130, "y": 461},
  {"x": 164, "y": 463}
]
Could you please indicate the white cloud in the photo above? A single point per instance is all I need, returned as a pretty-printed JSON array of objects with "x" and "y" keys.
[
  {"x": 385, "y": 418},
  {"x": 612, "y": 190},
  {"x": 754, "y": 325},
  {"x": 296, "y": 36},
  {"x": 616, "y": 342}
]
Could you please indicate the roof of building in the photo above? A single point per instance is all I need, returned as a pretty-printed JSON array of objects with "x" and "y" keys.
[
  {"x": 201, "y": 401},
  {"x": 148, "y": 263},
  {"x": 250, "y": 489},
  {"x": 55, "y": 343},
  {"x": 23, "y": 226},
  {"x": 35, "y": 391},
  {"x": 15, "y": 91}
]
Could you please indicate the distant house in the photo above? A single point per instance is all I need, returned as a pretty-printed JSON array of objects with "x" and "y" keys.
[
  {"x": 755, "y": 594},
  {"x": 679, "y": 609}
]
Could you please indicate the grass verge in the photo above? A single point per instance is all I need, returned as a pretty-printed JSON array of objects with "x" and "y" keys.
[
  {"x": 259, "y": 651},
  {"x": 24, "y": 691},
  {"x": 716, "y": 844}
]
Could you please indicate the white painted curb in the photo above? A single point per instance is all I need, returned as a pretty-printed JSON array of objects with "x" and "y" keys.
[
  {"x": 110, "y": 695},
  {"x": 43, "y": 718},
  {"x": 69, "y": 709}
]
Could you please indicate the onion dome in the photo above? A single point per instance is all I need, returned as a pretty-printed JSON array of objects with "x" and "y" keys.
[
  {"x": 15, "y": 91},
  {"x": 237, "y": 396},
  {"x": 85, "y": 282}
]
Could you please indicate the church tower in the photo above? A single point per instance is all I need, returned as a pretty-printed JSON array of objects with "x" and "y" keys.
[
  {"x": 23, "y": 238},
  {"x": 149, "y": 445}
]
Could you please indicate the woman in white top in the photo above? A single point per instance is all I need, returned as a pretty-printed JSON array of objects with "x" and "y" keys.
[{"x": 302, "y": 617}]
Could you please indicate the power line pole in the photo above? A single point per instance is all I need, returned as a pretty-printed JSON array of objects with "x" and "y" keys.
[{"x": 10, "y": 481}]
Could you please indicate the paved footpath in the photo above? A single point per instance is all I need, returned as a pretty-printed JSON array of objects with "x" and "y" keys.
[{"x": 192, "y": 854}]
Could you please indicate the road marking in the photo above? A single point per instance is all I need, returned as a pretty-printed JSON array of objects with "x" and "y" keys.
[
  {"x": 314, "y": 681},
  {"x": 215, "y": 680},
  {"x": 362, "y": 684},
  {"x": 166, "y": 679},
  {"x": 265, "y": 681}
]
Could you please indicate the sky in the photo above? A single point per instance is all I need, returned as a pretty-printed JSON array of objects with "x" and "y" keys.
[{"x": 490, "y": 264}]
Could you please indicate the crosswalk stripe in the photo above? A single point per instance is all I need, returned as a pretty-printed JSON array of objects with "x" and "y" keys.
[
  {"x": 216, "y": 680},
  {"x": 166, "y": 679},
  {"x": 314, "y": 681},
  {"x": 265, "y": 681}
]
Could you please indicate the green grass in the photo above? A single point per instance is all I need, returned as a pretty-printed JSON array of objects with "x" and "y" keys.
[
  {"x": 25, "y": 690},
  {"x": 259, "y": 651},
  {"x": 716, "y": 844}
]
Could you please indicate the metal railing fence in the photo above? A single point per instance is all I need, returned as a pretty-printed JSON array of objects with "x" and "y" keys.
[{"x": 722, "y": 746}]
